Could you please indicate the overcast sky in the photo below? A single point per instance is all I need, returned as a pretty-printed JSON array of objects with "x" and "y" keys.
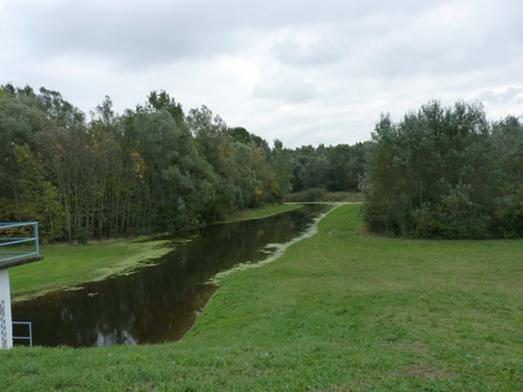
[{"x": 301, "y": 71}]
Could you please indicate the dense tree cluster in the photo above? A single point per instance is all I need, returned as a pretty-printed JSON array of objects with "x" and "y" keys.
[
  {"x": 153, "y": 168},
  {"x": 333, "y": 168},
  {"x": 446, "y": 172}
]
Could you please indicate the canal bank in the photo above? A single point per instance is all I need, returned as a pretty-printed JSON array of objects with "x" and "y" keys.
[
  {"x": 160, "y": 301},
  {"x": 340, "y": 310},
  {"x": 67, "y": 266}
]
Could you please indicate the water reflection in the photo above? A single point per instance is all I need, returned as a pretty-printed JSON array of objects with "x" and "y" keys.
[{"x": 160, "y": 302}]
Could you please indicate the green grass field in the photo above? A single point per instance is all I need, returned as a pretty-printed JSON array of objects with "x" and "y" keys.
[
  {"x": 339, "y": 311},
  {"x": 67, "y": 265}
]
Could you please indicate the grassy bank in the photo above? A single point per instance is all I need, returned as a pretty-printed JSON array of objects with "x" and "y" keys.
[
  {"x": 320, "y": 194},
  {"x": 338, "y": 311},
  {"x": 262, "y": 212},
  {"x": 68, "y": 265}
]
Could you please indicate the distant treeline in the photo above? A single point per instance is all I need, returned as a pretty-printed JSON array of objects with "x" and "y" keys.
[
  {"x": 446, "y": 172},
  {"x": 334, "y": 168},
  {"x": 153, "y": 168}
]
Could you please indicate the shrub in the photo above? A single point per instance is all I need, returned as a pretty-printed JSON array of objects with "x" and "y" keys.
[{"x": 83, "y": 236}]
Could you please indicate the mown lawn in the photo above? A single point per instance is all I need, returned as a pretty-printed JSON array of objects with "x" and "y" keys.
[{"x": 338, "y": 311}]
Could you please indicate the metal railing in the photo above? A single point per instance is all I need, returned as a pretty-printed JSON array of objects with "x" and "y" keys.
[
  {"x": 10, "y": 246},
  {"x": 29, "y": 337}
]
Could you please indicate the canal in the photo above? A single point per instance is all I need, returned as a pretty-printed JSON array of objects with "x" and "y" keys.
[{"x": 158, "y": 302}]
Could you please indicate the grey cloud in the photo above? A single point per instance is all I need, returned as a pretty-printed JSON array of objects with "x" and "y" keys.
[
  {"x": 137, "y": 35},
  {"x": 314, "y": 54},
  {"x": 449, "y": 38},
  {"x": 289, "y": 89},
  {"x": 509, "y": 95},
  {"x": 156, "y": 31}
]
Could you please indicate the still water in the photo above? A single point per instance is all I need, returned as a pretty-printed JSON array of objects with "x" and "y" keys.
[{"x": 159, "y": 302}]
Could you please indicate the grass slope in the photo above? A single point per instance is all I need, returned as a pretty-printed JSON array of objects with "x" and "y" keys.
[
  {"x": 338, "y": 311},
  {"x": 263, "y": 212},
  {"x": 68, "y": 265}
]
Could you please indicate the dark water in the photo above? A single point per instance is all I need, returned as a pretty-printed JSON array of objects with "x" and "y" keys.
[{"x": 160, "y": 302}]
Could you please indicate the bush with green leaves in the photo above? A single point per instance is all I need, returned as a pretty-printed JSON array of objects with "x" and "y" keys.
[
  {"x": 446, "y": 172},
  {"x": 83, "y": 236}
]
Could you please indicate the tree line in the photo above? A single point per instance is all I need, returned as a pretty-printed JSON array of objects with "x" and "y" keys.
[
  {"x": 333, "y": 168},
  {"x": 446, "y": 172},
  {"x": 153, "y": 168},
  {"x": 441, "y": 172}
]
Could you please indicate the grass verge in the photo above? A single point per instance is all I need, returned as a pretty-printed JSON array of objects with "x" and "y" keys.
[
  {"x": 262, "y": 212},
  {"x": 338, "y": 311},
  {"x": 320, "y": 194}
]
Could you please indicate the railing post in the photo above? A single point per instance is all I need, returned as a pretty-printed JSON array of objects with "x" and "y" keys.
[
  {"x": 30, "y": 334},
  {"x": 6, "y": 321},
  {"x": 37, "y": 245}
]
